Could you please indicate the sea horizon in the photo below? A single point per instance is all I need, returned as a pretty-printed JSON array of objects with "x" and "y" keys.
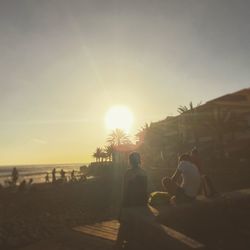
[
  {"x": 41, "y": 164},
  {"x": 36, "y": 171}
]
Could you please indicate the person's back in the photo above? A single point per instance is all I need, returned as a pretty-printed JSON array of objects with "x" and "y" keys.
[
  {"x": 134, "y": 194},
  {"x": 207, "y": 187},
  {"x": 135, "y": 188},
  {"x": 191, "y": 180},
  {"x": 196, "y": 160},
  {"x": 135, "y": 184}
]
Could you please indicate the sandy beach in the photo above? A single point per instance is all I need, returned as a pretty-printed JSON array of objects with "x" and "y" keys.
[{"x": 46, "y": 209}]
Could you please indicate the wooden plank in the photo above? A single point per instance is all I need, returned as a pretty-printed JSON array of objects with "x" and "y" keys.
[
  {"x": 115, "y": 222},
  {"x": 106, "y": 230},
  {"x": 193, "y": 244},
  {"x": 102, "y": 229},
  {"x": 110, "y": 227},
  {"x": 99, "y": 230},
  {"x": 94, "y": 233},
  {"x": 112, "y": 224},
  {"x": 145, "y": 220}
]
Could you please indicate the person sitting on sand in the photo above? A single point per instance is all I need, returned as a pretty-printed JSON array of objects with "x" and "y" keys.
[
  {"x": 190, "y": 184},
  {"x": 22, "y": 186},
  {"x": 83, "y": 177}
]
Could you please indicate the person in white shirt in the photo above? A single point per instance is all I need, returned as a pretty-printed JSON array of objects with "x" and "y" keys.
[{"x": 190, "y": 181}]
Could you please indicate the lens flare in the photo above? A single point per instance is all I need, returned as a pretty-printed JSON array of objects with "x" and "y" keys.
[{"x": 119, "y": 117}]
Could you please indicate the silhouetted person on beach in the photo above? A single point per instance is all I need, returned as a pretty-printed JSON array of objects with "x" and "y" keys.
[
  {"x": 22, "y": 186},
  {"x": 14, "y": 176},
  {"x": 190, "y": 183},
  {"x": 72, "y": 175},
  {"x": 134, "y": 194},
  {"x": 53, "y": 175},
  {"x": 47, "y": 178},
  {"x": 63, "y": 177},
  {"x": 135, "y": 183}
]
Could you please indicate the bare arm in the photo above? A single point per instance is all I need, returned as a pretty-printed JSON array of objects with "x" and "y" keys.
[{"x": 176, "y": 175}]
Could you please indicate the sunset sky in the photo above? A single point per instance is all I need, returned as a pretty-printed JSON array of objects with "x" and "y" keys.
[{"x": 64, "y": 63}]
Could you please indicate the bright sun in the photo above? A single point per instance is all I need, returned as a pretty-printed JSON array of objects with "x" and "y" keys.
[{"x": 119, "y": 117}]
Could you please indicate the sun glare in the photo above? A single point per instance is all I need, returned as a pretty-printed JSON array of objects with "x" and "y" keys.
[{"x": 119, "y": 117}]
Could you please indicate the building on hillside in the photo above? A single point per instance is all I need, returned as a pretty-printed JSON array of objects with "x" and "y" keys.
[
  {"x": 236, "y": 110},
  {"x": 222, "y": 123}
]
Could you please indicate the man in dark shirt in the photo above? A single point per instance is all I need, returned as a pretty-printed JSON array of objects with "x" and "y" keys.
[
  {"x": 134, "y": 194},
  {"x": 135, "y": 183}
]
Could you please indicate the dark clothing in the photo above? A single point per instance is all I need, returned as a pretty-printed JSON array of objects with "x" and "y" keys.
[
  {"x": 135, "y": 188},
  {"x": 134, "y": 194},
  {"x": 208, "y": 187},
  {"x": 181, "y": 196}
]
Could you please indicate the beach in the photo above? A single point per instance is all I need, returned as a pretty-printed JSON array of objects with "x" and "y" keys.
[
  {"x": 37, "y": 172},
  {"x": 47, "y": 209},
  {"x": 41, "y": 211}
]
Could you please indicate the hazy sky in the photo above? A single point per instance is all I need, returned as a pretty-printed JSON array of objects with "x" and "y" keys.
[{"x": 63, "y": 63}]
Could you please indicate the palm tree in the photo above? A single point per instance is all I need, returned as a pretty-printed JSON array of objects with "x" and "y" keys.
[
  {"x": 190, "y": 119},
  {"x": 103, "y": 156},
  {"x": 140, "y": 136},
  {"x": 109, "y": 151},
  {"x": 97, "y": 154},
  {"x": 118, "y": 137},
  {"x": 183, "y": 109}
]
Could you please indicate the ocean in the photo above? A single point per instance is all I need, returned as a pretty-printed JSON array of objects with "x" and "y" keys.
[{"x": 37, "y": 172}]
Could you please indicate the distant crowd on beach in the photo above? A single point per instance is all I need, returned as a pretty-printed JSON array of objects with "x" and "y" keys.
[
  {"x": 73, "y": 177},
  {"x": 54, "y": 177},
  {"x": 12, "y": 182}
]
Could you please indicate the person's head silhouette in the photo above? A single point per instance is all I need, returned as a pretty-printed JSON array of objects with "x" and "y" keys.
[{"x": 135, "y": 159}]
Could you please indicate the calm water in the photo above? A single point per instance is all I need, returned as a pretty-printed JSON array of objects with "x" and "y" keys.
[{"x": 37, "y": 172}]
